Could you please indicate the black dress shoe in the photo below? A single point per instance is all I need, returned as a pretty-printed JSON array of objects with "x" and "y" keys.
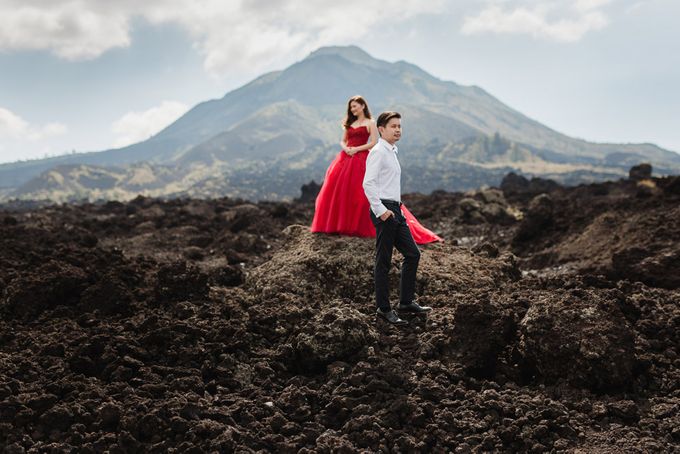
[
  {"x": 413, "y": 307},
  {"x": 392, "y": 317}
]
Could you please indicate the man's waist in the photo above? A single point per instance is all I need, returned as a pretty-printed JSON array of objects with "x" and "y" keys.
[{"x": 388, "y": 202}]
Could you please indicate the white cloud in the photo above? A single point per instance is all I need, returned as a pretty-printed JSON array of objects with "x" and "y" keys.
[
  {"x": 558, "y": 20},
  {"x": 137, "y": 126},
  {"x": 68, "y": 29},
  {"x": 20, "y": 139},
  {"x": 587, "y": 5},
  {"x": 231, "y": 35},
  {"x": 13, "y": 127},
  {"x": 630, "y": 9},
  {"x": 11, "y": 124},
  {"x": 55, "y": 129}
]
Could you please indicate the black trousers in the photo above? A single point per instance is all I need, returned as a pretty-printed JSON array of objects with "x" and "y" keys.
[{"x": 394, "y": 232}]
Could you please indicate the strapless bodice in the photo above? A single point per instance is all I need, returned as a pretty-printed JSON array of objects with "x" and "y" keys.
[{"x": 357, "y": 136}]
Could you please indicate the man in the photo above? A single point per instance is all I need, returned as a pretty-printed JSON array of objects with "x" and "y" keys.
[{"x": 382, "y": 185}]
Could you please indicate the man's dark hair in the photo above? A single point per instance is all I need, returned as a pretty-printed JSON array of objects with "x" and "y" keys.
[{"x": 385, "y": 118}]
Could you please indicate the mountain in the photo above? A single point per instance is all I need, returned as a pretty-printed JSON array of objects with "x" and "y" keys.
[{"x": 266, "y": 138}]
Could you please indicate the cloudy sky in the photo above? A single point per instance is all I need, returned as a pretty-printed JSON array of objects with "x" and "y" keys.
[{"x": 88, "y": 75}]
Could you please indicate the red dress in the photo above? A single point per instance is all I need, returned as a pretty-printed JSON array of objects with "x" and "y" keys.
[{"x": 342, "y": 206}]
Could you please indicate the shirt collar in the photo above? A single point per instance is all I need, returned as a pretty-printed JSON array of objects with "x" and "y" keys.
[{"x": 387, "y": 145}]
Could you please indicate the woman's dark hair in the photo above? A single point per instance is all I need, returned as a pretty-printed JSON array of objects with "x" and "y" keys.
[
  {"x": 351, "y": 118},
  {"x": 385, "y": 118}
]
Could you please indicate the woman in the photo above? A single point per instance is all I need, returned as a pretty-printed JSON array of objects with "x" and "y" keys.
[{"x": 341, "y": 206}]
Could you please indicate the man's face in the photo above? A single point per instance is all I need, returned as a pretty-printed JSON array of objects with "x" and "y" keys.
[{"x": 391, "y": 132}]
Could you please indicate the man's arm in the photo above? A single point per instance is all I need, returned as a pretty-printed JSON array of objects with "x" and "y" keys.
[{"x": 371, "y": 188}]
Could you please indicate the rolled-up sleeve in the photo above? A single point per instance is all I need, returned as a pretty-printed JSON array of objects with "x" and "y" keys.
[{"x": 371, "y": 182}]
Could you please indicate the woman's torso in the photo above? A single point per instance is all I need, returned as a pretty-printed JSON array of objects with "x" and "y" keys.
[{"x": 358, "y": 136}]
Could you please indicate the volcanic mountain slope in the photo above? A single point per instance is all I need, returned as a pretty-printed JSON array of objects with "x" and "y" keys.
[
  {"x": 221, "y": 325},
  {"x": 284, "y": 126}
]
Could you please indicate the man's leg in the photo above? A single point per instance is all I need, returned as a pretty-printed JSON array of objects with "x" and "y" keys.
[
  {"x": 407, "y": 246},
  {"x": 384, "y": 244}
]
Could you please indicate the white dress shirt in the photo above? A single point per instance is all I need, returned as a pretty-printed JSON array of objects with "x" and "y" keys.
[{"x": 383, "y": 176}]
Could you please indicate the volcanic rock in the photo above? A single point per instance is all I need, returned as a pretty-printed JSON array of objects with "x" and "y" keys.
[
  {"x": 334, "y": 334},
  {"x": 658, "y": 268},
  {"x": 576, "y": 351},
  {"x": 481, "y": 332},
  {"x": 108, "y": 295},
  {"x": 177, "y": 281},
  {"x": 53, "y": 283},
  {"x": 309, "y": 192},
  {"x": 580, "y": 337},
  {"x": 538, "y": 216},
  {"x": 513, "y": 183},
  {"x": 640, "y": 172}
]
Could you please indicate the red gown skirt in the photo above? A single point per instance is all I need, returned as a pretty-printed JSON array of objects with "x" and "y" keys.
[{"x": 342, "y": 206}]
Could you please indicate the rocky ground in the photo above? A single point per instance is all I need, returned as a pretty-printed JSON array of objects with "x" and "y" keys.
[{"x": 225, "y": 326}]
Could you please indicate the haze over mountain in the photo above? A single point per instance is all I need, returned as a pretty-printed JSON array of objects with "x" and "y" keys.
[{"x": 267, "y": 138}]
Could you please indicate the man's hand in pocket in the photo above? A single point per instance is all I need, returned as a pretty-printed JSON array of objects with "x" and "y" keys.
[{"x": 386, "y": 215}]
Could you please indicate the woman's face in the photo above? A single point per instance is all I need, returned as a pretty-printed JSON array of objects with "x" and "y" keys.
[{"x": 356, "y": 108}]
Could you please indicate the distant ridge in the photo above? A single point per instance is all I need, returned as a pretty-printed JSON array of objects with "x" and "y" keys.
[{"x": 284, "y": 127}]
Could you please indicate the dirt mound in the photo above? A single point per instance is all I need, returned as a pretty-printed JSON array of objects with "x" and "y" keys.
[
  {"x": 655, "y": 264},
  {"x": 578, "y": 336},
  {"x": 322, "y": 267},
  {"x": 605, "y": 228},
  {"x": 43, "y": 269},
  {"x": 335, "y": 333},
  {"x": 317, "y": 267},
  {"x": 483, "y": 335}
]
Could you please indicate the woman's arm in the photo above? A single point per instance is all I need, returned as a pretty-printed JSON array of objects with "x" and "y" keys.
[{"x": 343, "y": 142}]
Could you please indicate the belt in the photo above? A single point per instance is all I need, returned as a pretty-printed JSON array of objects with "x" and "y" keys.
[{"x": 390, "y": 202}]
